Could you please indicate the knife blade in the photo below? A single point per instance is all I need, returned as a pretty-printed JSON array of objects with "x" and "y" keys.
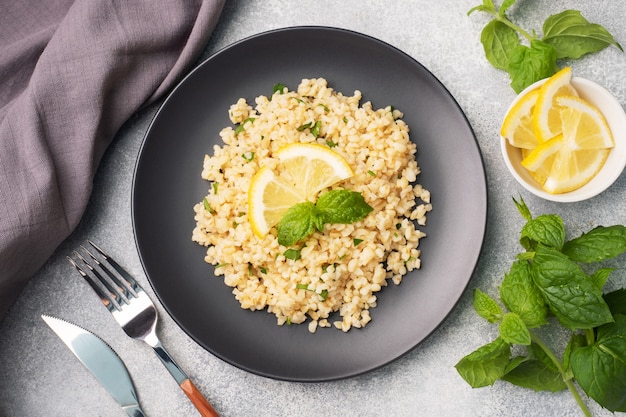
[{"x": 101, "y": 360}]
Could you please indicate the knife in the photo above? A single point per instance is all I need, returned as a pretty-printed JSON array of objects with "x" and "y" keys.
[{"x": 101, "y": 360}]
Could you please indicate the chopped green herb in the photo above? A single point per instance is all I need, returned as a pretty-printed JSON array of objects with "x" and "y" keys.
[
  {"x": 330, "y": 143},
  {"x": 293, "y": 254},
  {"x": 207, "y": 207},
  {"x": 263, "y": 269},
  {"x": 221, "y": 265},
  {"x": 398, "y": 226},
  {"x": 241, "y": 126},
  {"x": 215, "y": 185},
  {"x": 299, "y": 100},
  {"x": 326, "y": 109},
  {"x": 288, "y": 321},
  {"x": 324, "y": 295},
  {"x": 278, "y": 88},
  {"x": 345, "y": 119},
  {"x": 315, "y": 129},
  {"x": 248, "y": 156},
  {"x": 356, "y": 241},
  {"x": 372, "y": 173},
  {"x": 411, "y": 258},
  {"x": 304, "y": 126},
  {"x": 302, "y": 286}
]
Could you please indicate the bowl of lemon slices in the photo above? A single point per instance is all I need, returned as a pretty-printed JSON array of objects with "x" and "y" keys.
[{"x": 564, "y": 138}]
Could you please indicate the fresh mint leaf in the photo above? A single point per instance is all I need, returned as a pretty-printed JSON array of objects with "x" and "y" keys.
[
  {"x": 335, "y": 206},
  {"x": 568, "y": 291},
  {"x": 547, "y": 229},
  {"x": 486, "y": 7},
  {"x": 513, "y": 330},
  {"x": 598, "y": 244},
  {"x": 485, "y": 365},
  {"x": 297, "y": 223},
  {"x": 600, "y": 277},
  {"x": 616, "y": 300},
  {"x": 487, "y": 307},
  {"x": 499, "y": 41},
  {"x": 523, "y": 209},
  {"x": 505, "y": 6},
  {"x": 600, "y": 369},
  {"x": 573, "y": 36},
  {"x": 535, "y": 375},
  {"x": 343, "y": 206},
  {"x": 576, "y": 341},
  {"x": 520, "y": 295},
  {"x": 530, "y": 64}
]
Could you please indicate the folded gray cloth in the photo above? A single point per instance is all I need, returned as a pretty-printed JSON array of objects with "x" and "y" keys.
[{"x": 71, "y": 73}]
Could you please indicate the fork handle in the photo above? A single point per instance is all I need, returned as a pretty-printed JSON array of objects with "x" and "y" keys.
[
  {"x": 202, "y": 404},
  {"x": 198, "y": 399}
]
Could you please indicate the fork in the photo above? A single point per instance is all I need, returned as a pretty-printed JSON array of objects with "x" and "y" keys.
[{"x": 135, "y": 313}]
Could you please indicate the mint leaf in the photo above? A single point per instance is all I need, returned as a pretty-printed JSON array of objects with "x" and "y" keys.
[
  {"x": 487, "y": 7},
  {"x": 297, "y": 223},
  {"x": 573, "y": 36},
  {"x": 600, "y": 277},
  {"x": 485, "y": 365},
  {"x": 616, "y": 301},
  {"x": 505, "y": 6},
  {"x": 487, "y": 307},
  {"x": 520, "y": 295},
  {"x": 530, "y": 64},
  {"x": 523, "y": 209},
  {"x": 547, "y": 229},
  {"x": 600, "y": 369},
  {"x": 568, "y": 291},
  {"x": 335, "y": 206},
  {"x": 343, "y": 206},
  {"x": 597, "y": 245},
  {"x": 499, "y": 41},
  {"x": 534, "y": 374},
  {"x": 513, "y": 330}
]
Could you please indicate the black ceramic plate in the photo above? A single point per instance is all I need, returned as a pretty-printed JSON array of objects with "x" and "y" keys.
[{"x": 167, "y": 184}]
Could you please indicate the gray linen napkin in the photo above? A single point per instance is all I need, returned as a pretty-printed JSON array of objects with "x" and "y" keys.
[{"x": 71, "y": 73}]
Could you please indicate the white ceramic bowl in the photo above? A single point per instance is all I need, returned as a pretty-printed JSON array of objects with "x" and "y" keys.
[{"x": 614, "y": 165}]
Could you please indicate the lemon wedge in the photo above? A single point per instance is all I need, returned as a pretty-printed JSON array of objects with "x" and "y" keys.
[
  {"x": 517, "y": 126},
  {"x": 303, "y": 171},
  {"x": 583, "y": 125},
  {"x": 539, "y": 161},
  {"x": 572, "y": 169},
  {"x": 546, "y": 117}
]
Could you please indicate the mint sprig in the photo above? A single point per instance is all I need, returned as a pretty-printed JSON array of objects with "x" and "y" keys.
[
  {"x": 334, "y": 207},
  {"x": 566, "y": 35},
  {"x": 546, "y": 287}
]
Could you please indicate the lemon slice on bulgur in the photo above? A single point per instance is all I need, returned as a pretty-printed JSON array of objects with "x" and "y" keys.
[{"x": 308, "y": 169}]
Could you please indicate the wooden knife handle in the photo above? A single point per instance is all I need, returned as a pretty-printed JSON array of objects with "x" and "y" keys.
[{"x": 198, "y": 399}]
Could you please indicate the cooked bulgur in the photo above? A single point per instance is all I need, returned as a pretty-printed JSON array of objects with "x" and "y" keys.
[{"x": 341, "y": 269}]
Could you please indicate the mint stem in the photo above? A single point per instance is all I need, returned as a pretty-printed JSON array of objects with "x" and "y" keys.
[
  {"x": 568, "y": 381},
  {"x": 502, "y": 18}
]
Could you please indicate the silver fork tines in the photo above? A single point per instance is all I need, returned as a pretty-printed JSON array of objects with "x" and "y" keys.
[{"x": 133, "y": 310}]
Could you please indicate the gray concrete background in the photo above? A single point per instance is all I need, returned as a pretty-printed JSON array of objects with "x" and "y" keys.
[{"x": 40, "y": 377}]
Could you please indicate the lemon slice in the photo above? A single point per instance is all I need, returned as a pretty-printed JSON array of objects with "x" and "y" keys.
[
  {"x": 307, "y": 169},
  {"x": 517, "y": 126},
  {"x": 539, "y": 161},
  {"x": 313, "y": 167},
  {"x": 583, "y": 125},
  {"x": 546, "y": 114},
  {"x": 269, "y": 198},
  {"x": 574, "y": 168}
]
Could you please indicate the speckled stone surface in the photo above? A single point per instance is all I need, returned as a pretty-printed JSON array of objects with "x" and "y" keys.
[{"x": 40, "y": 377}]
